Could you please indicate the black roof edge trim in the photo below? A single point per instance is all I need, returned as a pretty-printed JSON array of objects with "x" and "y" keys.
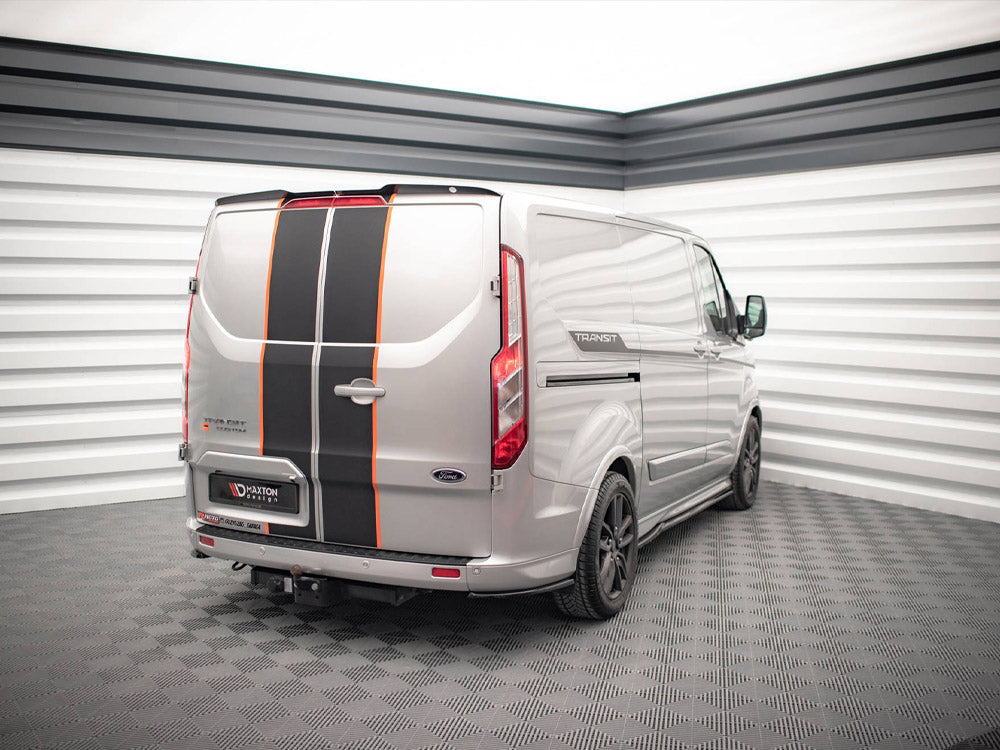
[
  {"x": 386, "y": 191},
  {"x": 265, "y": 195},
  {"x": 442, "y": 188}
]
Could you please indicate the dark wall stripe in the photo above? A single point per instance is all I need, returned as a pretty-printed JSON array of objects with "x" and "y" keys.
[
  {"x": 937, "y": 105},
  {"x": 298, "y": 245},
  {"x": 345, "y": 458},
  {"x": 350, "y": 301},
  {"x": 72, "y": 98},
  {"x": 286, "y": 396},
  {"x": 76, "y": 98}
]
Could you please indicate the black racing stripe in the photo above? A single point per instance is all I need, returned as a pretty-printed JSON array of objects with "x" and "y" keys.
[
  {"x": 286, "y": 371},
  {"x": 298, "y": 244},
  {"x": 350, "y": 302},
  {"x": 287, "y": 396},
  {"x": 345, "y": 456}
]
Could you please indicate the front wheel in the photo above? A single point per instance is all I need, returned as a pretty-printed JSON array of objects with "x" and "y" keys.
[
  {"x": 746, "y": 475},
  {"x": 605, "y": 568}
]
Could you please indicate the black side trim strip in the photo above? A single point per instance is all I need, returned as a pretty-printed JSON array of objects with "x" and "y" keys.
[
  {"x": 560, "y": 381},
  {"x": 523, "y": 592},
  {"x": 332, "y": 549}
]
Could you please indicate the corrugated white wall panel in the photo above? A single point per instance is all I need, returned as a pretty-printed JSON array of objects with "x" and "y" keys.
[
  {"x": 95, "y": 253},
  {"x": 880, "y": 371}
]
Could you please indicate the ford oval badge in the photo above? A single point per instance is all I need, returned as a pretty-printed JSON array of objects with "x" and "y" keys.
[{"x": 448, "y": 476}]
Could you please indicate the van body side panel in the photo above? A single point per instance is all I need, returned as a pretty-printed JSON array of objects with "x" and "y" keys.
[
  {"x": 345, "y": 453},
  {"x": 729, "y": 394},
  {"x": 440, "y": 327},
  {"x": 674, "y": 375},
  {"x": 583, "y": 345}
]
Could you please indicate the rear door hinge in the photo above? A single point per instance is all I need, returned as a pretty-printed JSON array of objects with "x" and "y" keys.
[
  {"x": 193, "y": 285},
  {"x": 496, "y": 482},
  {"x": 182, "y": 451},
  {"x": 495, "y": 286}
]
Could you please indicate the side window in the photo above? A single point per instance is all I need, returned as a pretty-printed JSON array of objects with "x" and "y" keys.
[
  {"x": 662, "y": 288},
  {"x": 579, "y": 272},
  {"x": 712, "y": 290}
]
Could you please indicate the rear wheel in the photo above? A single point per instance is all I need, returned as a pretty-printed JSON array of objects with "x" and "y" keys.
[
  {"x": 605, "y": 568},
  {"x": 746, "y": 474}
]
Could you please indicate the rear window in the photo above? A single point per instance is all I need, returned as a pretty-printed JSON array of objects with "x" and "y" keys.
[
  {"x": 233, "y": 273},
  {"x": 433, "y": 270}
]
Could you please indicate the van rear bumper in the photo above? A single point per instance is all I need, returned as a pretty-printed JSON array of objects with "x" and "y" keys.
[{"x": 476, "y": 575}]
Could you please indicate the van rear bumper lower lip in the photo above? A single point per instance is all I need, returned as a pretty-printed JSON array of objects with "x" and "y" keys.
[{"x": 479, "y": 575}]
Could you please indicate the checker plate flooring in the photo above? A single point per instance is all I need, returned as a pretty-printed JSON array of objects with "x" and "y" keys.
[{"x": 811, "y": 621}]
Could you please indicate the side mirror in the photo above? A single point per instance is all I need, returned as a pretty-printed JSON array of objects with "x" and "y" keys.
[{"x": 755, "y": 319}]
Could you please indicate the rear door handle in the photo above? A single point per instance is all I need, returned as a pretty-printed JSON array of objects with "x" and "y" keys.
[
  {"x": 361, "y": 391},
  {"x": 700, "y": 348},
  {"x": 717, "y": 351}
]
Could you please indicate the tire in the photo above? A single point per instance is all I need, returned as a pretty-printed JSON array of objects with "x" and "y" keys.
[
  {"x": 746, "y": 474},
  {"x": 606, "y": 565}
]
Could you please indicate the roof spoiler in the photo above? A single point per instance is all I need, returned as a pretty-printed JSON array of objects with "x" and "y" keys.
[
  {"x": 386, "y": 191},
  {"x": 267, "y": 195}
]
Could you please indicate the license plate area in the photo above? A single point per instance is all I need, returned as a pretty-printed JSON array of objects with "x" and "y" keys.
[{"x": 255, "y": 494}]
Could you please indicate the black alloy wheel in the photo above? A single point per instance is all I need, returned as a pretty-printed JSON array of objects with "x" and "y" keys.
[
  {"x": 746, "y": 474},
  {"x": 617, "y": 535},
  {"x": 607, "y": 561}
]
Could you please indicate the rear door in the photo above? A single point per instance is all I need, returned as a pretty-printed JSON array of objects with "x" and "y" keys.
[
  {"x": 393, "y": 300},
  {"x": 407, "y": 312}
]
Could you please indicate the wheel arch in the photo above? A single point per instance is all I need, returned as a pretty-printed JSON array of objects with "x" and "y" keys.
[
  {"x": 753, "y": 412},
  {"x": 618, "y": 459}
]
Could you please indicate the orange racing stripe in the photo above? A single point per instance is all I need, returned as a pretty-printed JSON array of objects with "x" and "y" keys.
[
  {"x": 378, "y": 341},
  {"x": 263, "y": 344}
]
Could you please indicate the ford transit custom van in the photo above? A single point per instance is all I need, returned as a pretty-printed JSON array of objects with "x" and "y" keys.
[{"x": 444, "y": 388}]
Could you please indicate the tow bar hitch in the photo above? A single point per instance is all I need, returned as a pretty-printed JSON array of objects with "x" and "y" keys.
[{"x": 319, "y": 591}]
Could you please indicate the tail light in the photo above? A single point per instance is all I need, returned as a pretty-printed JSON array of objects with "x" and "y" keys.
[
  {"x": 187, "y": 358},
  {"x": 509, "y": 367}
]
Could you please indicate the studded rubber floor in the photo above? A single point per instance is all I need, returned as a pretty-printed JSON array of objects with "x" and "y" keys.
[{"x": 811, "y": 621}]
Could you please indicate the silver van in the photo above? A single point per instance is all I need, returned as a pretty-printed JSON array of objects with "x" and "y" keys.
[{"x": 432, "y": 387}]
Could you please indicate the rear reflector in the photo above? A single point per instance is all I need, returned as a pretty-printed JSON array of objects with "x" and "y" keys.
[
  {"x": 206, "y": 540},
  {"x": 335, "y": 201},
  {"x": 446, "y": 572},
  {"x": 509, "y": 366}
]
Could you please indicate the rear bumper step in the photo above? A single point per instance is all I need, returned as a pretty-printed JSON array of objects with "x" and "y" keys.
[
  {"x": 375, "y": 566},
  {"x": 331, "y": 549}
]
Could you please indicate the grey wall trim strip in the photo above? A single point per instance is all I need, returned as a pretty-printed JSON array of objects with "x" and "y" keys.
[
  {"x": 937, "y": 105},
  {"x": 64, "y": 97}
]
